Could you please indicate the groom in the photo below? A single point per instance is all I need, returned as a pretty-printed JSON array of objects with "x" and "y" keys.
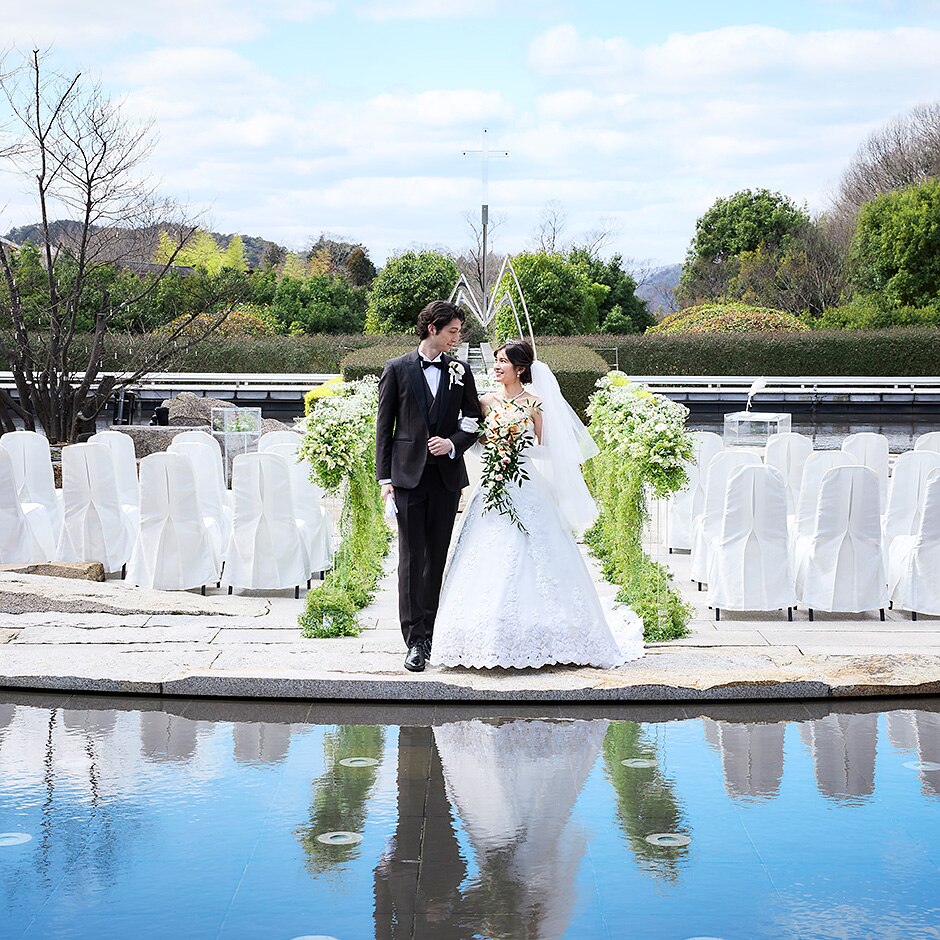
[{"x": 419, "y": 461}]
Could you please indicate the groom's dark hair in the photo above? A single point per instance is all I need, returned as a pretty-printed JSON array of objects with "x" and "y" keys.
[{"x": 438, "y": 313}]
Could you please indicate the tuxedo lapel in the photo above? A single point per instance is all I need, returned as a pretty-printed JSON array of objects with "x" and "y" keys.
[{"x": 418, "y": 385}]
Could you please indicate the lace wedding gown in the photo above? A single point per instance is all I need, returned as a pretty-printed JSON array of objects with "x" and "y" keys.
[{"x": 518, "y": 600}]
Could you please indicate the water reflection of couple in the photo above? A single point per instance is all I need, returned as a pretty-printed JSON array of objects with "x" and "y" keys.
[{"x": 513, "y": 785}]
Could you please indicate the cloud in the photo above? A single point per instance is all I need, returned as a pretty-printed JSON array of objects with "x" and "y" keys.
[
  {"x": 214, "y": 22},
  {"x": 385, "y": 10}
]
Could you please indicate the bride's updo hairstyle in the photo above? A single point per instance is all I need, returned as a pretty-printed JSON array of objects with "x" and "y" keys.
[{"x": 519, "y": 353}]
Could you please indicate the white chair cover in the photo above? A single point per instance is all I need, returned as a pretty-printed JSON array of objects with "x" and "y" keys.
[
  {"x": 906, "y": 494},
  {"x": 124, "y": 456},
  {"x": 871, "y": 450},
  {"x": 749, "y": 567},
  {"x": 25, "y": 532},
  {"x": 32, "y": 470},
  {"x": 210, "y": 486},
  {"x": 817, "y": 465},
  {"x": 929, "y": 441},
  {"x": 265, "y": 550},
  {"x": 788, "y": 452},
  {"x": 174, "y": 549},
  {"x": 314, "y": 522},
  {"x": 707, "y": 527},
  {"x": 278, "y": 439},
  {"x": 95, "y": 528},
  {"x": 198, "y": 437},
  {"x": 685, "y": 505},
  {"x": 914, "y": 560},
  {"x": 843, "y": 567}
]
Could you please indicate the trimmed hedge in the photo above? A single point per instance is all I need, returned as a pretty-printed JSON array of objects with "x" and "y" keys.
[
  {"x": 321, "y": 352},
  {"x": 577, "y": 368},
  {"x": 909, "y": 351},
  {"x": 729, "y": 317}
]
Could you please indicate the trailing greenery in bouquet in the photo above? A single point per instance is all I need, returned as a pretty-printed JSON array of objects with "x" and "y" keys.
[
  {"x": 507, "y": 433},
  {"x": 339, "y": 443},
  {"x": 643, "y": 450}
]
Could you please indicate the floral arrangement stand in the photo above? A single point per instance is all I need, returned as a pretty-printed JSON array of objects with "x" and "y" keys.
[
  {"x": 238, "y": 430},
  {"x": 752, "y": 428},
  {"x": 644, "y": 451},
  {"x": 339, "y": 444}
]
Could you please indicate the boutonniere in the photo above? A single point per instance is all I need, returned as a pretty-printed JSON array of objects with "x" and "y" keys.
[{"x": 455, "y": 373}]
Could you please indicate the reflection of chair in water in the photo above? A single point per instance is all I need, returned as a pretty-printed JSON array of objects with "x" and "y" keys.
[
  {"x": 94, "y": 721},
  {"x": 843, "y": 749},
  {"x": 167, "y": 737},
  {"x": 918, "y": 733},
  {"x": 751, "y": 757},
  {"x": 261, "y": 742},
  {"x": 513, "y": 785}
]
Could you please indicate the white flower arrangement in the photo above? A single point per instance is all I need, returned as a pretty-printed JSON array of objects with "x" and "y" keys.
[
  {"x": 339, "y": 432},
  {"x": 646, "y": 428}
]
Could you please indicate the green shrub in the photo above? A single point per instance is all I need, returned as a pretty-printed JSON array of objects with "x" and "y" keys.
[
  {"x": 371, "y": 360},
  {"x": 576, "y": 368},
  {"x": 909, "y": 351},
  {"x": 720, "y": 317},
  {"x": 870, "y": 312}
]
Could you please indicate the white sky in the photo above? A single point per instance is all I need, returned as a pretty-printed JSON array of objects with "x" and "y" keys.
[{"x": 285, "y": 118}]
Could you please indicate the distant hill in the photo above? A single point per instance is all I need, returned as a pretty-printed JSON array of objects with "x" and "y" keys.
[
  {"x": 255, "y": 246},
  {"x": 658, "y": 289}
]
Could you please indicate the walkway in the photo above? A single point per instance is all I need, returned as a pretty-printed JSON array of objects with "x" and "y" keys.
[{"x": 182, "y": 644}]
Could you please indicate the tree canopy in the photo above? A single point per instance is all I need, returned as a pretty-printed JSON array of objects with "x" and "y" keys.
[
  {"x": 896, "y": 249},
  {"x": 406, "y": 284}
]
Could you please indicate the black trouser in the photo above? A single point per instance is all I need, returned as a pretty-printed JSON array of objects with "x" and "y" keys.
[{"x": 425, "y": 522}]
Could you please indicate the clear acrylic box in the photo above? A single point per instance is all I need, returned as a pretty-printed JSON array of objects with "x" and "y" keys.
[{"x": 752, "y": 428}]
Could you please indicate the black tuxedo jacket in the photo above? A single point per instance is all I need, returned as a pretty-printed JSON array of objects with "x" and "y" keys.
[{"x": 408, "y": 416}]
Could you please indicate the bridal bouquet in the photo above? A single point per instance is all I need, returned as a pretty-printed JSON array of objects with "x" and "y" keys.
[{"x": 506, "y": 434}]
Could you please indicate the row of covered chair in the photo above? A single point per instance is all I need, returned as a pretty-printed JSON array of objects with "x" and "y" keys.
[
  {"x": 177, "y": 527},
  {"x": 793, "y": 524}
]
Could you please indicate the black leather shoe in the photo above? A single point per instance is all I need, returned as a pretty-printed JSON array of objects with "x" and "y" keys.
[
  {"x": 414, "y": 661},
  {"x": 427, "y": 649}
]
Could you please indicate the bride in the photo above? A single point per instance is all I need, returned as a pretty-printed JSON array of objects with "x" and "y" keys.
[{"x": 517, "y": 592}]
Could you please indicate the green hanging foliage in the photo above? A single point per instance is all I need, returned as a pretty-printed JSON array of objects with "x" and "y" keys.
[
  {"x": 643, "y": 446},
  {"x": 339, "y": 443}
]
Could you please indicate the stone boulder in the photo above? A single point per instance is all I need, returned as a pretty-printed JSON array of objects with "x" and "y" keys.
[
  {"x": 188, "y": 409},
  {"x": 82, "y": 570},
  {"x": 272, "y": 424}
]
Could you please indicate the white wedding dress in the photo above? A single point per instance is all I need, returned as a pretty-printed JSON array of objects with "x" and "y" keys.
[{"x": 516, "y": 599}]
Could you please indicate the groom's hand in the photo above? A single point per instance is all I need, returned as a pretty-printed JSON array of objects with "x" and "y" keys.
[
  {"x": 387, "y": 490},
  {"x": 440, "y": 446}
]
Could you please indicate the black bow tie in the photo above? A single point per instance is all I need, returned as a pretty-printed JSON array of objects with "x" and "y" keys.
[{"x": 429, "y": 363}]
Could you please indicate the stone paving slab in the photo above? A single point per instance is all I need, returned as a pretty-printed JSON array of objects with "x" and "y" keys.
[{"x": 185, "y": 645}]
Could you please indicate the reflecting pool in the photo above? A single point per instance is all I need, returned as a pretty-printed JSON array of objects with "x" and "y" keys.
[{"x": 138, "y": 818}]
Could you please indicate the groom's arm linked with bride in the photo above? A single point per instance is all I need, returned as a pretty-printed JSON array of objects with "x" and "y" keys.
[{"x": 423, "y": 395}]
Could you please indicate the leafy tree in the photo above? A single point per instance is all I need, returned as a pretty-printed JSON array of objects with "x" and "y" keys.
[
  {"x": 320, "y": 303},
  {"x": 904, "y": 152},
  {"x": 359, "y": 268},
  {"x": 273, "y": 256},
  {"x": 234, "y": 254},
  {"x": 896, "y": 249},
  {"x": 294, "y": 267},
  {"x": 744, "y": 222},
  {"x": 561, "y": 298},
  {"x": 263, "y": 285},
  {"x": 404, "y": 286},
  {"x": 81, "y": 156},
  {"x": 620, "y": 311}
]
